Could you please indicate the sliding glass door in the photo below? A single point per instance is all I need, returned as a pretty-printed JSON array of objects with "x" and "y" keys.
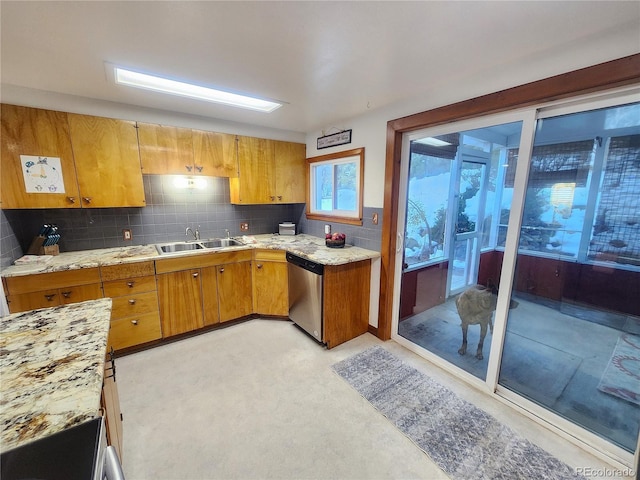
[{"x": 545, "y": 204}]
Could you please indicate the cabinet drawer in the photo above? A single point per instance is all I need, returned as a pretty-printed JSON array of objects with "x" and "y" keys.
[
  {"x": 34, "y": 300},
  {"x": 127, "y": 270},
  {"x": 136, "y": 330},
  {"x": 129, "y": 286},
  {"x": 52, "y": 280},
  {"x": 270, "y": 255},
  {"x": 80, "y": 293},
  {"x": 137, "y": 304}
]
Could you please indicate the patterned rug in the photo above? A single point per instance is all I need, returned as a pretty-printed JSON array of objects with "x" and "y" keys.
[
  {"x": 465, "y": 441},
  {"x": 622, "y": 375}
]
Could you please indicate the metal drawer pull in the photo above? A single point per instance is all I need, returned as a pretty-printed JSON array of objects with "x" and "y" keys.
[
  {"x": 87, "y": 199},
  {"x": 199, "y": 168},
  {"x": 71, "y": 199},
  {"x": 50, "y": 296},
  {"x": 188, "y": 167},
  {"x": 272, "y": 198},
  {"x": 259, "y": 265},
  {"x": 132, "y": 301},
  {"x": 130, "y": 284},
  {"x": 194, "y": 275},
  {"x": 279, "y": 197},
  {"x": 135, "y": 322},
  {"x": 66, "y": 294},
  {"x": 222, "y": 270}
]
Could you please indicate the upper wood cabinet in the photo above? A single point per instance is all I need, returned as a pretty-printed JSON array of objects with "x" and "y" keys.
[
  {"x": 269, "y": 171},
  {"x": 166, "y": 150},
  {"x": 39, "y": 133},
  {"x": 107, "y": 161}
]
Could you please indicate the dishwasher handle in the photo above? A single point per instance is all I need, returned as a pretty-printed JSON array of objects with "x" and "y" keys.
[{"x": 306, "y": 264}]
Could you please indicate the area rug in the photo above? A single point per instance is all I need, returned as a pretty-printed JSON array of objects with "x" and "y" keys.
[
  {"x": 465, "y": 441},
  {"x": 621, "y": 378}
]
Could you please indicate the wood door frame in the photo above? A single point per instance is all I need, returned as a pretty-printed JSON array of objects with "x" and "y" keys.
[{"x": 616, "y": 73}]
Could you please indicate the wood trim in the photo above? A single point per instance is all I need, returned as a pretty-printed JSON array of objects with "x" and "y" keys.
[
  {"x": 198, "y": 260},
  {"x": 604, "y": 76}
]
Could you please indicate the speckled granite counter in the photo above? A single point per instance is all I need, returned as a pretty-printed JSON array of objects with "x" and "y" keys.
[
  {"x": 306, "y": 246},
  {"x": 52, "y": 367}
]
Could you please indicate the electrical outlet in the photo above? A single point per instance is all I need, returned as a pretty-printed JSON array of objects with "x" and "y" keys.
[
  {"x": 244, "y": 226},
  {"x": 374, "y": 219},
  {"x": 126, "y": 234}
]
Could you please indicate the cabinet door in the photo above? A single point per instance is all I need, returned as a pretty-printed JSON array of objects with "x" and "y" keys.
[
  {"x": 270, "y": 288},
  {"x": 290, "y": 172},
  {"x": 165, "y": 150},
  {"x": 234, "y": 290},
  {"x": 255, "y": 182},
  {"x": 180, "y": 300},
  {"x": 107, "y": 161},
  {"x": 210, "y": 296},
  {"x": 111, "y": 409},
  {"x": 215, "y": 154},
  {"x": 41, "y": 133}
]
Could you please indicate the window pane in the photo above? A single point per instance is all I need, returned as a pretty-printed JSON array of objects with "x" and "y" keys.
[
  {"x": 346, "y": 180},
  {"x": 572, "y": 342},
  {"x": 323, "y": 175}
]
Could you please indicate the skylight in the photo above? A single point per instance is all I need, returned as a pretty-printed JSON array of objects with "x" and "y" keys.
[{"x": 173, "y": 87}]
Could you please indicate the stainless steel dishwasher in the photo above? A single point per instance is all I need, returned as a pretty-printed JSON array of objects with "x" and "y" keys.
[{"x": 305, "y": 294}]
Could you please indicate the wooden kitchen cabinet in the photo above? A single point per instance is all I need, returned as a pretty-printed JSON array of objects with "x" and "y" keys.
[
  {"x": 166, "y": 150},
  {"x": 180, "y": 297},
  {"x": 269, "y": 171},
  {"x": 29, "y": 292},
  {"x": 135, "y": 316},
  {"x": 39, "y": 133},
  {"x": 107, "y": 161},
  {"x": 234, "y": 290},
  {"x": 110, "y": 404},
  {"x": 346, "y": 301},
  {"x": 270, "y": 283}
]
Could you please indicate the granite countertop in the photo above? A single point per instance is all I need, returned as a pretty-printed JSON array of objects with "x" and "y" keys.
[
  {"x": 52, "y": 368},
  {"x": 308, "y": 246}
]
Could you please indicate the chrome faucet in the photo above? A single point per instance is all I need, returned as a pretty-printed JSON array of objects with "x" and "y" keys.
[
  {"x": 196, "y": 234},
  {"x": 227, "y": 232}
]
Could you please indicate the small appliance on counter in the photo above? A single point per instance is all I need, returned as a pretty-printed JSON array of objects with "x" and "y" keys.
[{"x": 287, "y": 228}]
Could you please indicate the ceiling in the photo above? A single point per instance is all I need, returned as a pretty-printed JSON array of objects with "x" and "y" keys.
[{"x": 329, "y": 61}]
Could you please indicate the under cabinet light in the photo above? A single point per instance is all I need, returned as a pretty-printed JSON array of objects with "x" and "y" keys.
[
  {"x": 190, "y": 182},
  {"x": 174, "y": 87}
]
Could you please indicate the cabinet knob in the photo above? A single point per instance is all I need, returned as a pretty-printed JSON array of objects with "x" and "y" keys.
[
  {"x": 50, "y": 297},
  {"x": 188, "y": 167},
  {"x": 259, "y": 265},
  {"x": 272, "y": 198},
  {"x": 195, "y": 275},
  {"x": 86, "y": 199},
  {"x": 132, "y": 301},
  {"x": 279, "y": 197},
  {"x": 199, "y": 168},
  {"x": 134, "y": 322},
  {"x": 71, "y": 199},
  {"x": 66, "y": 294},
  {"x": 130, "y": 284},
  {"x": 222, "y": 270}
]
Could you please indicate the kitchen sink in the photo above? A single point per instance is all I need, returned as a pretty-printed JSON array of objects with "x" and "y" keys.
[
  {"x": 212, "y": 243},
  {"x": 220, "y": 242}
]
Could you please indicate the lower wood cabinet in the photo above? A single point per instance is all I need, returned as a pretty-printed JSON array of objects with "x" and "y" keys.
[
  {"x": 180, "y": 295},
  {"x": 110, "y": 404},
  {"x": 346, "y": 301},
  {"x": 135, "y": 317},
  {"x": 270, "y": 283}
]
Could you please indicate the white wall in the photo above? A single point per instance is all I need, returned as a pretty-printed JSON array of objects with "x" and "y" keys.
[{"x": 369, "y": 130}]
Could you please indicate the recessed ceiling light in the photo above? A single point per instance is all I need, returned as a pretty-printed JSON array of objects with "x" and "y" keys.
[{"x": 145, "y": 81}]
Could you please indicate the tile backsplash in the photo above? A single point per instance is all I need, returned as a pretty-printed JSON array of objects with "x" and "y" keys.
[{"x": 169, "y": 211}]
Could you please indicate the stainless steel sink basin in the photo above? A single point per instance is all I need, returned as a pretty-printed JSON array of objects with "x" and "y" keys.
[
  {"x": 178, "y": 247},
  {"x": 212, "y": 243},
  {"x": 220, "y": 242}
]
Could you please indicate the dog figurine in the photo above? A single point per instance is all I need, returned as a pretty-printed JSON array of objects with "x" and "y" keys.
[{"x": 476, "y": 306}]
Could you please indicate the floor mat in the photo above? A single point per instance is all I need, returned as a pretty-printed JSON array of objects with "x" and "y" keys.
[
  {"x": 465, "y": 441},
  {"x": 622, "y": 375}
]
